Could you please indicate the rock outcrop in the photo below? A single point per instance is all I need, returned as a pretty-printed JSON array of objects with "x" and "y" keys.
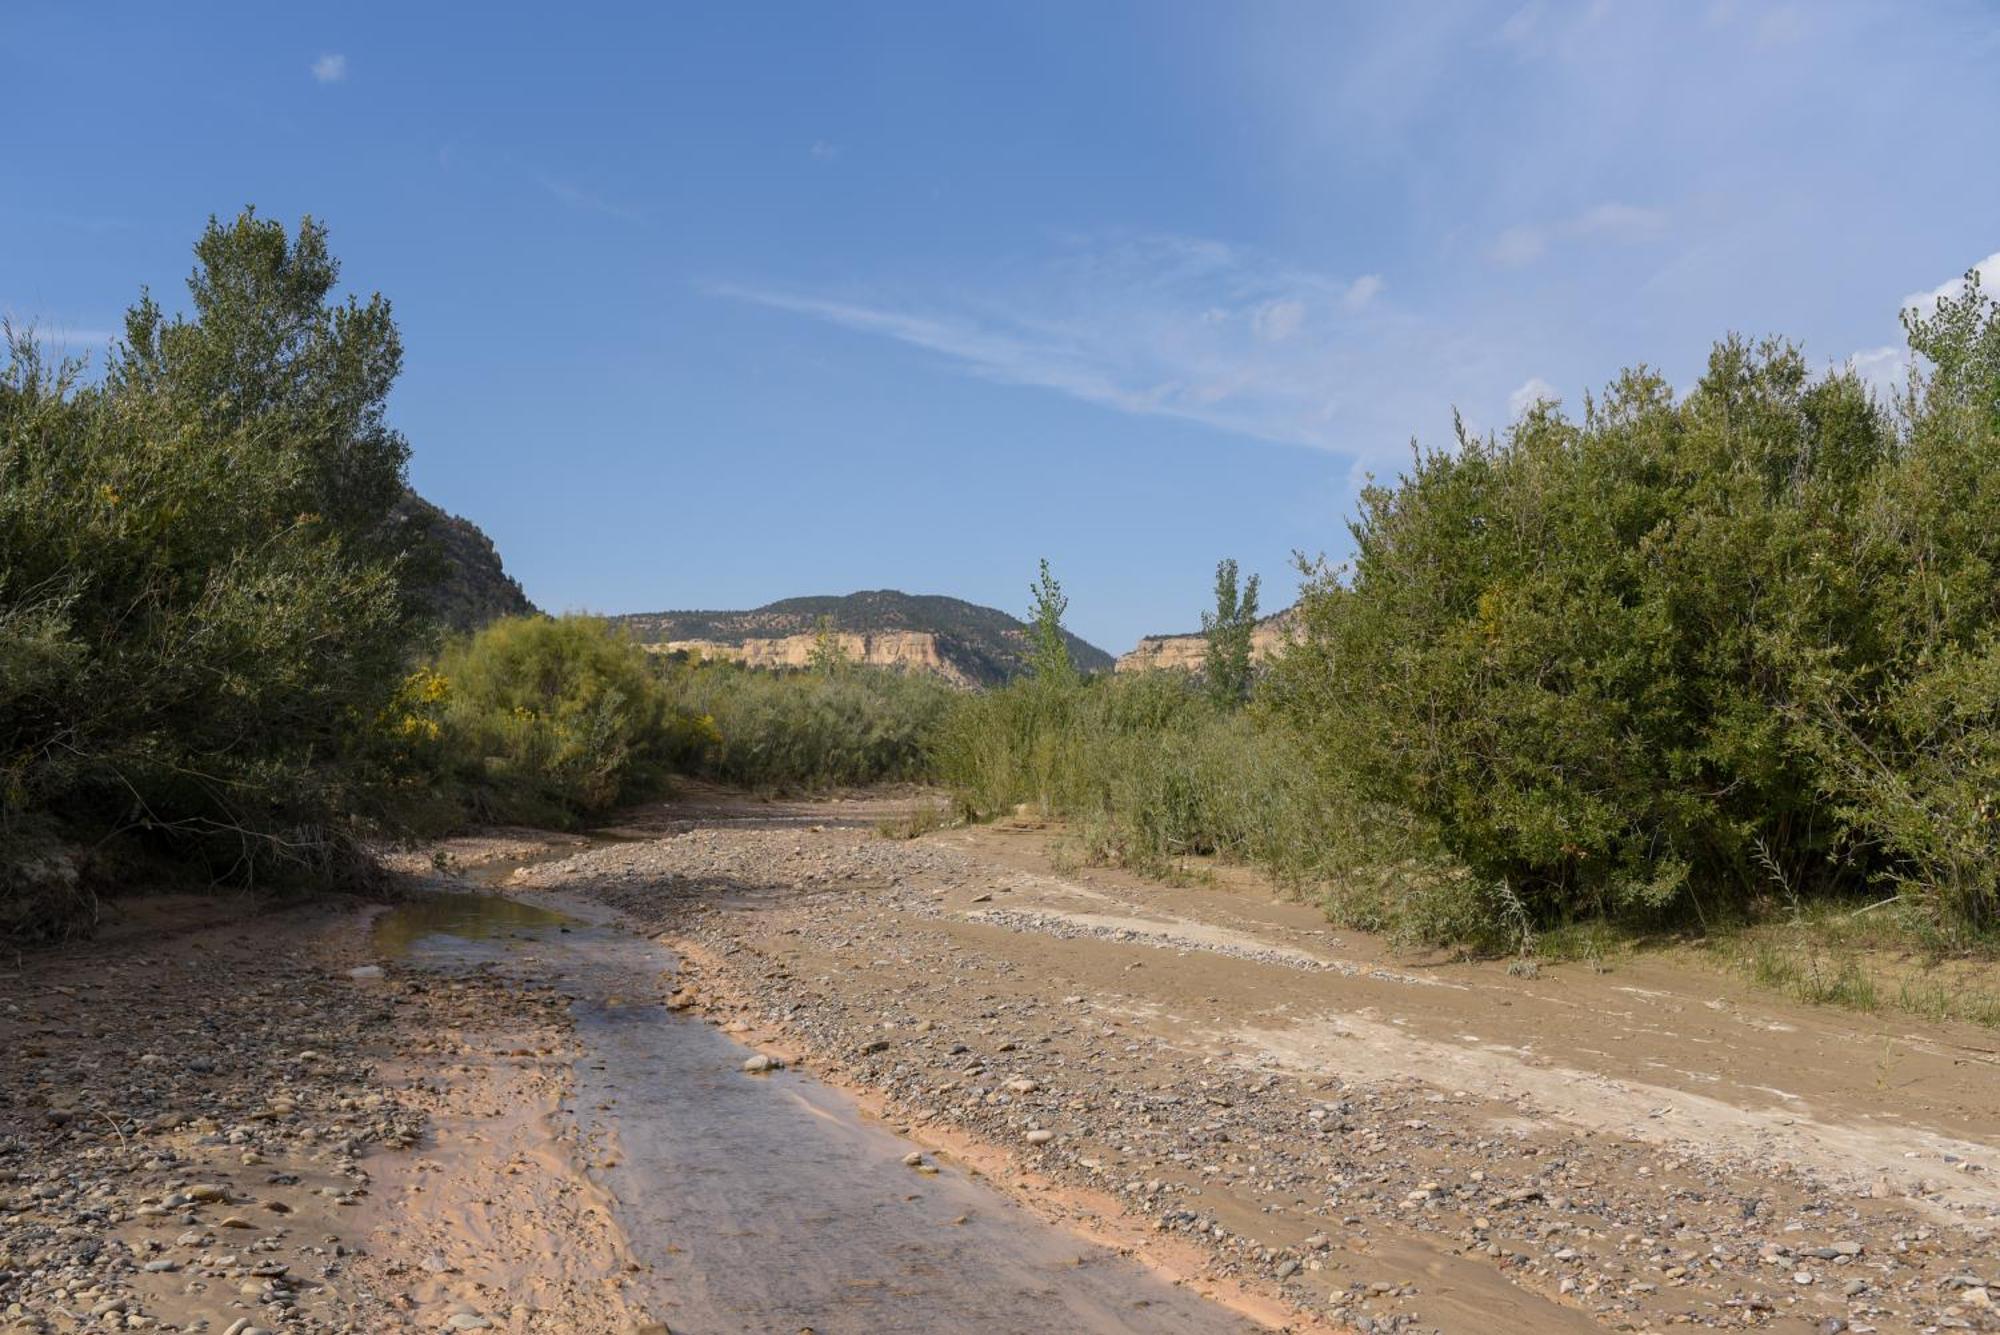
[
  {"x": 1186, "y": 653},
  {"x": 455, "y": 569}
]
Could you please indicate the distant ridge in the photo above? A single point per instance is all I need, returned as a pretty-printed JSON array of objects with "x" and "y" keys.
[{"x": 949, "y": 637}]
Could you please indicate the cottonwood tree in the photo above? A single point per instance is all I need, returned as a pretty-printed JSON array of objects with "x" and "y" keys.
[
  {"x": 1049, "y": 659},
  {"x": 1228, "y": 628}
]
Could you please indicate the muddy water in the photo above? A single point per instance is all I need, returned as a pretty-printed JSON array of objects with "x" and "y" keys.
[{"x": 770, "y": 1203}]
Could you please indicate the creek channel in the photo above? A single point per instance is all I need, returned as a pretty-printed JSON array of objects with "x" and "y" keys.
[{"x": 773, "y": 1202}]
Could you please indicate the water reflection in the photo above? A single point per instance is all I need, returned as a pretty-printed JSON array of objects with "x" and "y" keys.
[{"x": 467, "y": 917}]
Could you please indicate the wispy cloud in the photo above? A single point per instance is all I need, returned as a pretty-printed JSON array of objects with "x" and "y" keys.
[
  {"x": 1624, "y": 223},
  {"x": 824, "y": 151},
  {"x": 330, "y": 68},
  {"x": 1159, "y": 325},
  {"x": 1518, "y": 246},
  {"x": 63, "y": 337},
  {"x": 1618, "y": 222},
  {"x": 1362, "y": 291},
  {"x": 1275, "y": 321},
  {"x": 576, "y": 197}
]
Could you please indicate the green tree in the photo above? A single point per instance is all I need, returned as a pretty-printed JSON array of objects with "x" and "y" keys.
[
  {"x": 195, "y": 565},
  {"x": 1049, "y": 659},
  {"x": 829, "y": 654},
  {"x": 1229, "y": 628}
]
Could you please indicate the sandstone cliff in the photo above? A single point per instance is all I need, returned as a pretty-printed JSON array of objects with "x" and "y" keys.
[
  {"x": 1186, "y": 653},
  {"x": 907, "y": 650}
]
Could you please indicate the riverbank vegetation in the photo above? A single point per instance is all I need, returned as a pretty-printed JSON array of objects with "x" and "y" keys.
[
  {"x": 1677, "y": 660},
  {"x": 202, "y": 604},
  {"x": 836, "y": 725}
]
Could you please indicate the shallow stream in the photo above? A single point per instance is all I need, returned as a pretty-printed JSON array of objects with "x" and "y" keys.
[{"x": 771, "y": 1202}]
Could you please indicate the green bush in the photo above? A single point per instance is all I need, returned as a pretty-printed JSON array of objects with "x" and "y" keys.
[
  {"x": 1906, "y": 744},
  {"x": 541, "y": 719},
  {"x": 838, "y": 725},
  {"x": 1150, "y": 768},
  {"x": 201, "y": 610},
  {"x": 1679, "y": 657}
]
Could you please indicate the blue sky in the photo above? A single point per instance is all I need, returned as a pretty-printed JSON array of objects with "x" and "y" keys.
[{"x": 709, "y": 305}]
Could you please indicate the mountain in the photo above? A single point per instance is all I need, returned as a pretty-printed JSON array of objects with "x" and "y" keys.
[
  {"x": 459, "y": 577},
  {"x": 959, "y": 641},
  {"x": 1188, "y": 652}
]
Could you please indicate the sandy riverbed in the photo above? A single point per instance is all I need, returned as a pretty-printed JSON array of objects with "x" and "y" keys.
[{"x": 212, "y": 1121}]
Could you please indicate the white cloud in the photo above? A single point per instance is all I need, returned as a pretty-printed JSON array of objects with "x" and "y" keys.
[
  {"x": 1276, "y": 321},
  {"x": 1362, "y": 291},
  {"x": 824, "y": 151},
  {"x": 330, "y": 68},
  {"x": 1536, "y": 390},
  {"x": 1988, "y": 270},
  {"x": 1883, "y": 370},
  {"x": 1886, "y": 370}
]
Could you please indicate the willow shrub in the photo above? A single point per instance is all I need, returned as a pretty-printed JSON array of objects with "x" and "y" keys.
[
  {"x": 1677, "y": 656},
  {"x": 540, "y": 719},
  {"x": 838, "y": 725},
  {"x": 201, "y": 610},
  {"x": 1150, "y": 769}
]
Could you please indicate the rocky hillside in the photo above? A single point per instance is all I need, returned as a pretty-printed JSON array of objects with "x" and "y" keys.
[
  {"x": 948, "y": 637},
  {"x": 459, "y": 575},
  {"x": 1187, "y": 652}
]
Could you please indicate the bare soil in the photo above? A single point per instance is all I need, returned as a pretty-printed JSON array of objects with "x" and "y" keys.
[{"x": 226, "y": 1116}]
